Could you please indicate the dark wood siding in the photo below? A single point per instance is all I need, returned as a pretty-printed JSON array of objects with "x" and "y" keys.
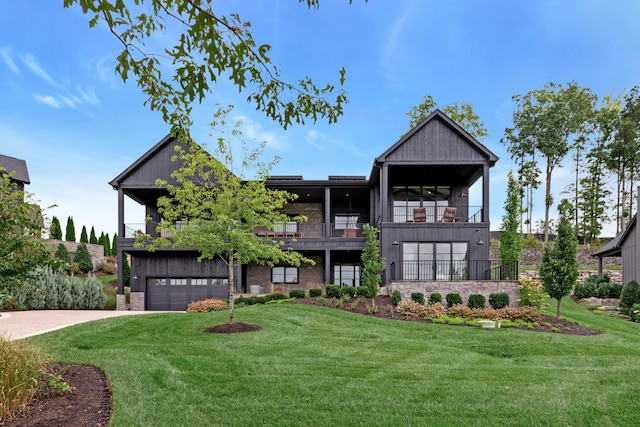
[
  {"x": 630, "y": 258},
  {"x": 157, "y": 166}
]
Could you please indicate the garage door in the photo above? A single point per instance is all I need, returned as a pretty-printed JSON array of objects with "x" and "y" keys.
[{"x": 176, "y": 293}]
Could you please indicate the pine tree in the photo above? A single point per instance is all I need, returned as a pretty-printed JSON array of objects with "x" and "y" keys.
[
  {"x": 83, "y": 235},
  {"x": 126, "y": 270},
  {"x": 114, "y": 245},
  {"x": 92, "y": 237},
  {"x": 106, "y": 243},
  {"x": 70, "y": 234},
  {"x": 83, "y": 258},
  {"x": 372, "y": 263},
  {"x": 55, "y": 231},
  {"x": 62, "y": 253}
]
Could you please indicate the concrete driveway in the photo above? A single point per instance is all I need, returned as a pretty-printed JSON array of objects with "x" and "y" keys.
[{"x": 22, "y": 324}]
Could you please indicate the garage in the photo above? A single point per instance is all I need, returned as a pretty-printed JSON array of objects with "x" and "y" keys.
[{"x": 174, "y": 294}]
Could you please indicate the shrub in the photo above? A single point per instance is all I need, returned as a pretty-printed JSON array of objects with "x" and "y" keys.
[
  {"x": 364, "y": 291},
  {"x": 458, "y": 310},
  {"x": 297, "y": 293},
  {"x": 434, "y": 298},
  {"x": 584, "y": 290},
  {"x": 207, "y": 305},
  {"x": 603, "y": 289},
  {"x": 476, "y": 301},
  {"x": 615, "y": 289},
  {"x": 435, "y": 310},
  {"x": 315, "y": 292},
  {"x": 634, "y": 313},
  {"x": 274, "y": 297},
  {"x": 417, "y": 297},
  {"x": 532, "y": 294},
  {"x": 347, "y": 290},
  {"x": 107, "y": 267},
  {"x": 629, "y": 296},
  {"x": 395, "y": 298},
  {"x": 412, "y": 308},
  {"x": 23, "y": 366},
  {"x": 62, "y": 253},
  {"x": 83, "y": 258},
  {"x": 453, "y": 299},
  {"x": 332, "y": 291},
  {"x": 499, "y": 300}
]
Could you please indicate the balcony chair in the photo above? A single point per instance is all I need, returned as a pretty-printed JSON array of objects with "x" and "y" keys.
[
  {"x": 419, "y": 214},
  {"x": 449, "y": 215}
]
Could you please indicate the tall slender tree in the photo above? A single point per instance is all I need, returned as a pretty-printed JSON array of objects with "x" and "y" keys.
[
  {"x": 559, "y": 267},
  {"x": 70, "y": 231},
  {"x": 83, "y": 235},
  {"x": 92, "y": 237},
  {"x": 55, "y": 231},
  {"x": 114, "y": 245},
  {"x": 510, "y": 240},
  {"x": 372, "y": 263},
  {"x": 106, "y": 244}
]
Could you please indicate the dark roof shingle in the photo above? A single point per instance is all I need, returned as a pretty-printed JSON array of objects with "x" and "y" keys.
[{"x": 19, "y": 166}]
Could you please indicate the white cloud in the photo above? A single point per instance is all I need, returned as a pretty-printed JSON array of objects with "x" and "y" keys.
[
  {"x": 312, "y": 139},
  {"x": 68, "y": 101},
  {"x": 255, "y": 131},
  {"x": 47, "y": 100},
  {"x": 32, "y": 64},
  {"x": 392, "y": 55},
  {"x": 88, "y": 95},
  {"x": 5, "y": 54}
]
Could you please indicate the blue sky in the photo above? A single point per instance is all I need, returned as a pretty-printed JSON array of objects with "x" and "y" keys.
[{"x": 64, "y": 111}]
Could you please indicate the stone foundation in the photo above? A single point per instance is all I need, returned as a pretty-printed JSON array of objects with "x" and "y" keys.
[
  {"x": 464, "y": 288},
  {"x": 136, "y": 302},
  {"x": 121, "y": 302}
]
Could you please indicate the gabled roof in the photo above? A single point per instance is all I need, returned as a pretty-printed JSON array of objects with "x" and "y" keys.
[
  {"x": 614, "y": 247},
  {"x": 437, "y": 114},
  {"x": 11, "y": 164},
  {"x": 115, "y": 182}
]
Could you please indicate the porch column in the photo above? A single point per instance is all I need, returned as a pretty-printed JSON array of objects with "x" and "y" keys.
[
  {"x": 327, "y": 212},
  {"x": 327, "y": 267},
  {"x": 485, "y": 193},
  {"x": 120, "y": 298},
  {"x": 384, "y": 193},
  {"x": 599, "y": 265},
  {"x": 121, "y": 213}
]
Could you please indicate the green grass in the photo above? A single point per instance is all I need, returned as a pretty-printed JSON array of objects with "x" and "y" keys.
[{"x": 314, "y": 366}]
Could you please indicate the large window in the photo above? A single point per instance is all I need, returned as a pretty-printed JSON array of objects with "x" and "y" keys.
[
  {"x": 346, "y": 274},
  {"x": 346, "y": 221},
  {"x": 284, "y": 274},
  {"x": 434, "y": 198},
  {"x": 434, "y": 261}
]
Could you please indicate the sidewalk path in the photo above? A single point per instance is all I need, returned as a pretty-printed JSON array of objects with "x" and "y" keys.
[{"x": 22, "y": 324}]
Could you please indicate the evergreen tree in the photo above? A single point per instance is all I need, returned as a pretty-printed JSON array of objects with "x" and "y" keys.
[
  {"x": 83, "y": 258},
  {"x": 62, "y": 253},
  {"x": 372, "y": 263},
  {"x": 114, "y": 245},
  {"x": 126, "y": 270},
  {"x": 55, "y": 231},
  {"x": 106, "y": 243},
  {"x": 101, "y": 238},
  {"x": 70, "y": 234},
  {"x": 92, "y": 237},
  {"x": 83, "y": 235},
  {"x": 510, "y": 239},
  {"x": 559, "y": 268}
]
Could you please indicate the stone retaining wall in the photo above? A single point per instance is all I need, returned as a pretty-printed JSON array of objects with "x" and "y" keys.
[
  {"x": 615, "y": 275},
  {"x": 96, "y": 251},
  {"x": 534, "y": 257},
  {"x": 464, "y": 288}
]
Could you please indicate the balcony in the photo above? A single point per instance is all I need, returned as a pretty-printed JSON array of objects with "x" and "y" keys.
[
  {"x": 435, "y": 214},
  {"x": 454, "y": 270}
]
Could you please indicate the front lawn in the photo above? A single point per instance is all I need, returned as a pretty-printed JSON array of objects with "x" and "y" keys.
[{"x": 318, "y": 366}]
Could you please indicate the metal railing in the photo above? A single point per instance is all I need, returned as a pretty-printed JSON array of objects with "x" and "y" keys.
[
  {"x": 435, "y": 213},
  {"x": 455, "y": 270}
]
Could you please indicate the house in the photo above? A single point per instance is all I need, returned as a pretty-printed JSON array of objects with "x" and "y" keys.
[
  {"x": 624, "y": 245},
  {"x": 18, "y": 167},
  {"x": 416, "y": 195}
]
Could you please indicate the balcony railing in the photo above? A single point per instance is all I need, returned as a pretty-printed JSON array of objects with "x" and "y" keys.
[
  {"x": 455, "y": 270},
  {"x": 436, "y": 214},
  {"x": 150, "y": 228}
]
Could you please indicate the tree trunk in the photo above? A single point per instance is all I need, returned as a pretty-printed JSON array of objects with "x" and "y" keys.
[
  {"x": 547, "y": 204},
  {"x": 558, "y": 309},
  {"x": 232, "y": 286}
]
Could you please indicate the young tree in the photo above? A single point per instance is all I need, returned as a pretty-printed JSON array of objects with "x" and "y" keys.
[
  {"x": 55, "y": 231},
  {"x": 559, "y": 267},
  {"x": 62, "y": 253},
  {"x": 510, "y": 239},
  {"x": 462, "y": 114},
  {"x": 21, "y": 248},
  {"x": 70, "y": 231},
  {"x": 114, "y": 245},
  {"x": 83, "y": 235},
  {"x": 126, "y": 270},
  {"x": 83, "y": 258},
  {"x": 209, "y": 45},
  {"x": 544, "y": 122},
  {"x": 92, "y": 237},
  {"x": 224, "y": 209},
  {"x": 106, "y": 244},
  {"x": 372, "y": 263}
]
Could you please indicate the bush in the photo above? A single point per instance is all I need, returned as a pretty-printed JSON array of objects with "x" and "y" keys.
[
  {"x": 603, "y": 289},
  {"x": 348, "y": 291},
  {"x": 476, "y": 301},
  {"x": 434, "y": 298},
  {"x": 333, "y": 291},
  {"x": 62, "y": 253},
  {"x": 499, "y": 300},
  {"x": 364, "y": 291},
  {"x": 615, "y": 289},
  {"x": 274, "y": 297},
  {"x": 417, "y": 297},
  {"x": 584, "y": 290},
  {"x": 414, "y": 308},
  {"x": 83, "y": 258},
  {"x": 23, "y": 366},
  {"x": 395, "y": 298},
  {"x": 297, "y": 293},
  {"x": 453, "y": 299},
  {"x": 107, "y": 267},
  {"x": 532, "y": 294},
  {"x": 629, "y": 296},
  {"x": 207, "y": 305},
  {"x": 315, "y": 292},
  {"x": 634, "y": 313}
]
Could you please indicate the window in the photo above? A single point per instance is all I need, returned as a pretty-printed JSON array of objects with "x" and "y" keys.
[
  {"x": 434, "y": 261},
  {"x": 284, "y": 274},
  {"x": 220, "y": 282},
  {"x": 198, "y": 282},
  {"x": 406, "y": 198},
  {"x": 178, "y": 282},
  {"x": 346, "y": 221},
  {"x": 285, "y": 227},
  {"x": 157, "y": 282},
  {"x": 346, "y": 274}
]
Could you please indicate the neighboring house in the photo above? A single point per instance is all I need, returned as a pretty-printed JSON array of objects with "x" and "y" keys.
[
  {"x": 18, "y": 167},
  {"x": 416, "y": 195},
  {"x": 624, "y": 245}
]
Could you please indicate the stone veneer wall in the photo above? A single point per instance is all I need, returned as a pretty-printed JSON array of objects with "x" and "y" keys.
[
  {"x": 615, "y": 275},
  {"x": 96, "y": 251},
  {"x": 136, "y": 302},
  {"x": 464, "y": 288},
  {"x": 534, "y": 257}
]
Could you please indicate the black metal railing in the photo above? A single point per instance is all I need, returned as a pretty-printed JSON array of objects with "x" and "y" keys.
[
  {"x": 456, "y": 270},
  {"x": 431, "y": 214}
]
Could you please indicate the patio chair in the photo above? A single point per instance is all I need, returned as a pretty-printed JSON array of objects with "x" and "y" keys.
[
  {"x": 419, "y": 214},
  {"x": 449, "y": 215}
]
